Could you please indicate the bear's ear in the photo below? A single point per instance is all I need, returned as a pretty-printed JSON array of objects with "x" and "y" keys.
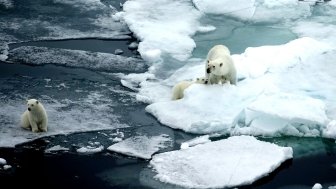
[
  {"x": 221, "y": 64},
  {"x": 37, "y": 102}
]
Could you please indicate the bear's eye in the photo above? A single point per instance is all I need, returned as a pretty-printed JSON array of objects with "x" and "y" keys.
[
  {"x": 221, "y": 64},
  {"x": 214, "y": 66},
  {"x": 32, "y": 104}
]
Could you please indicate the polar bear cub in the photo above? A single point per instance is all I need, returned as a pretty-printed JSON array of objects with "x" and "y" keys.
[
  {"x": 178, "y": 89},
  {"x": 219, "y": 66},
  {"x": 35, "y": 117}
]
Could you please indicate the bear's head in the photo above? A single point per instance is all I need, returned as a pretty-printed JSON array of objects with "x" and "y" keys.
[
  {"x": 32, "y": 104},
  {"x": 201, "y": 80},
  {"x": 218, "y": 67}
]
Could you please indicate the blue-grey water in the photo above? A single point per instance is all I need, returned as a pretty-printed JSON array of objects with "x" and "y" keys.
[{"x": 79, "y": 91}]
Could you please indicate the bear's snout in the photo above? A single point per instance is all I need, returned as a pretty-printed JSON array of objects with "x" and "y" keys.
[
  {"x": 208, "y": 70},
  {"x": 29, "y": 109}
]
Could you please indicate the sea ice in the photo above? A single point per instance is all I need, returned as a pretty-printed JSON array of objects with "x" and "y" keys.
[
  {"x": 152, "y": 23},
  {"x": 141, "y": 146},
  {"x": 317, "y": 186},
  {"x": 56, "y": 148},
  {"x": 76, "y": 58},
  {"x": 285, "y": 106},
  {"x": 195, "y": 141},
  {"x": 238, "y": 160},
  {"x": 90, "y": 149}
]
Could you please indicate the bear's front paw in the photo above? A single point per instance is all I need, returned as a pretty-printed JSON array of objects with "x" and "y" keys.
[
  {"x": 35, "y": 130},
  {"x": 44, "y": 130}
]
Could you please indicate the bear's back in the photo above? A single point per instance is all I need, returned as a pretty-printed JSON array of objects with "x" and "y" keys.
[{"x": 218, "y": 51}]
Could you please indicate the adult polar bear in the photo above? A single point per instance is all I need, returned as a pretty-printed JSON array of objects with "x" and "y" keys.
[
  {"x": 220, "y": 67},
  {"x": 35, "y": 117}
]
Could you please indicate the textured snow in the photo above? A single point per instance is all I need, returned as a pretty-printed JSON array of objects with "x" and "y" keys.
[
  {"x": 6, "y": 3},
  {"x": 141, "y": 146},
  {"x": 266, "y": 10},
  {"x": 330, "y": 130},
  {"x": 76, "y": 58},
  {"x": 238, "y": 160},
  {"x": 195, "y": 141},
  {"x": 152, "y": 23},
  {"x": 3, "y": 51}
]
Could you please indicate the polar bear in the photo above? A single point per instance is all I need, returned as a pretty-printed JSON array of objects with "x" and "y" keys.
[
  {"x": 219, "y": 66},
  {"x": 178, "y": 89},
  {"x": 35, "y": 117}
]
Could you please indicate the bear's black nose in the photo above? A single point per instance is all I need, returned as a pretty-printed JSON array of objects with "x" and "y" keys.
[
  {"x": 208, "y": 70},
  {"x": 29, "y": 109}
]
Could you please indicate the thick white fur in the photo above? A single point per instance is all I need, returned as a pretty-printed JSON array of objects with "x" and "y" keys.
[
  {"x": 219, "y": 66},
  {"x": 36, "y": 119},
  {"x": 178, "y": 89}
]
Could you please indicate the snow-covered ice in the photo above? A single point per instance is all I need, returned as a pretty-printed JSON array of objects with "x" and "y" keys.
[
  {"x": 238, "y": 160},
  {"x": 141, "y": 146},
  {"x": 152, "y": 23},
  {"x": 6, "y": 167},
  {"x": 90, "y": 149},
  {"x": 76, "y": 58},
  {"x": 195, "y": 141},
  {"x": 330, "y": 130},
  {"x": 268, "y": 101}
]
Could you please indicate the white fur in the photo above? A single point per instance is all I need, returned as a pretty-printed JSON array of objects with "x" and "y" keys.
[
  {"x": 36, "y": 119},
  {"x": 178, "y": 89},
  {"x": 220, "y": 66}
]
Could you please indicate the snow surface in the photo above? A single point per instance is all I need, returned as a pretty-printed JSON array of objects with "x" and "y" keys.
[
  {"x": 238, "y": 160},
  {"x": 3, "y": 51},
  {"x": 76, "y": 58},
  {"x": 195, "y": 141},
  {"x": 90, "y": 149},
  {"x": 141, "y": 146},
  {"x": 266, "y": 10},
  {"x": 6, "y": 167},
  {"x": 330, "y": 130},
  {"x": 152, "y": 23},
  {"x": 6, "y": 3}
]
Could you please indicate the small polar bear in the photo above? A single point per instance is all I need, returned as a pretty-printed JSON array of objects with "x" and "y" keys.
[
  {"x": 219, "y": 66},
  {"x": 178, "y": 89},
  {"x": 35, "y": 117}
]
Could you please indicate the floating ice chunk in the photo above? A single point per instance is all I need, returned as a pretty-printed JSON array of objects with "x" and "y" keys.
[
  {"x": 332, "y": 187},
  {"x": 90, "y": 149},
  {"x": 3, "y": 161},
  {"x": 76, "y": 58},
  {"x": 118, "y": 51},
  {"x": 133, "y": 45},
  {"x": 152, "y": 22},
  {"x": 271, "y": 113},
  {"x": 243, "y": 9},
  {"x": 193, "y": 142},
  {"x": 141, "y": 146},
  {"x": 330, "y": 130},
  {"x": 317, "y": 186},
  {"x": 238, "y": 160},
  {"x": 6, "y": 167},
  {"x": 56, "y": 148}
]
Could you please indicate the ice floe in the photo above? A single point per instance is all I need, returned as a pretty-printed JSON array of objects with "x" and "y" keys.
[
  {"x": 56, "y": 148},
  {"x": 285, "y": 90},
  {"x": 3, "y": 161},
  {"x": 238, "y": 160},
  {"x": 76, "y": 58},
  {"x": 141, "y": 146},
  {"x": 195, "y": 141},
  {"x": 152, "y": 22}
]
